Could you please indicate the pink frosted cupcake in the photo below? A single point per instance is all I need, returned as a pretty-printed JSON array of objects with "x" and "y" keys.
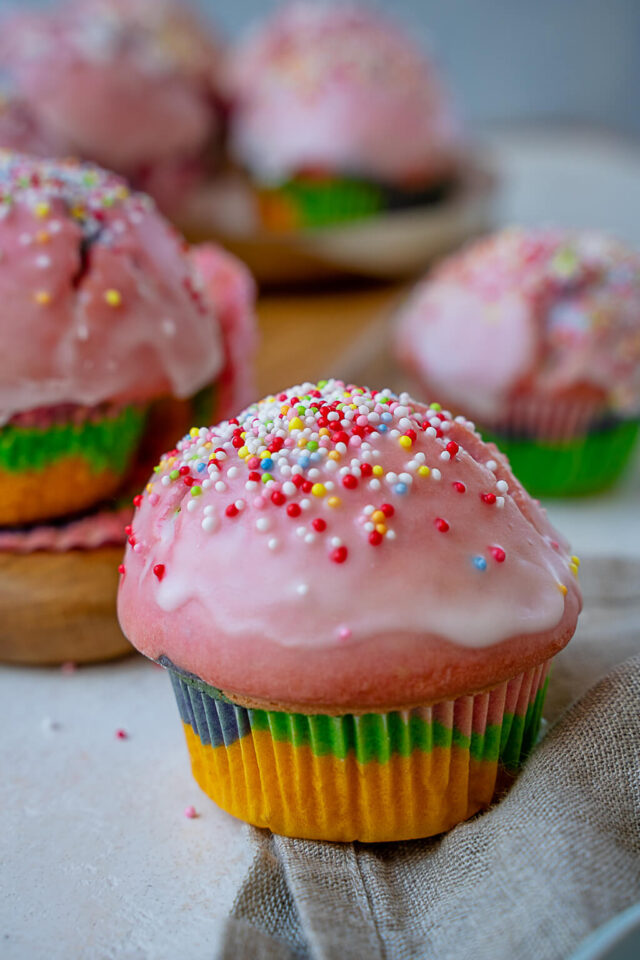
[
  {"x": 357, "y": 603},
  {"x": 129, "y": 84},
  {"x": 337, "y": 115},
  {"x": 535, "y": 333}
]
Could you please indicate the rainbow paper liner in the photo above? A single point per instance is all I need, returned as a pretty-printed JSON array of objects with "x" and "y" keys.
[
  {"x": 570, "y": 466},
  {"x": 106, "y": 442},
  {"x": 370, "y": 777},
  {"x": 308, "y": 202}
]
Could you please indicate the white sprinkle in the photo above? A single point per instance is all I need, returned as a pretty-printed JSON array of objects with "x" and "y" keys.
[
  {"x": 301, "y": 531},
  {"x": 331, "y": 466},
  {"x": 391, "y": 477},
  {"x": 272, "y": 543},
  {"x": 406, "y": 478},
  {"x": 419, "y": 458},
  {"x": 209, "y": 511},
  {"x": 445, "y": 426},
  {"x": 289, "y": 488},
  {"x": 390, "y": 534},
  {"x": 430, "y": 432},
  {"x": 166, "y": 480},
  {"x": 43, "y": 261},
  {"x": 54, "y": 226},
  {"x": 435, "y": 473},
  {"x": 206, "y": 484},
  {"x": 305, "y": 504},
  {"x": 251, "y": 485},
  {"x": 502, "y": 486},
  {"x": 333, "y": 415},
  {"x": 263, "y": 524},
  {"x": 329, "y": 485},
  {"x": 335, "y": 542},
  {"x": 394, "y": 434},
  {"x": 369, "y": 527},
  {"x": 491, "y": 465},
  {"x": 374, "y": 484},
  {"x": 209, "y": 524},
  {"x": 445, "y": 455},
  {"x": 309, "y": 538},
  {"x": 368, "y": 510},
  {"x": 302, "y": 589},
  {"x": 240, "y": 504},
  {"x": 500, "y": 502},
  {"x": 232, "y": 473},
  {"x": 221, "y": 486},
  {"x": 192, "y": 505}
]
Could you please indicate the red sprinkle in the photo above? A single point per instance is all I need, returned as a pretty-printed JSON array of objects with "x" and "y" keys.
[
  {"x": 339, "y": 555},
  {"x": 159, "y": 570},
  {"x": 459, "y": 486},
  {"x": 132, "y": 541},
  {"x": 237, "y": 442},
  {"x": 121, "y": 734},
  {"x": 121, "y": 568},
  {"x": 278, "y": 498},
  {"x": 387, "y": 509},
  {"x": 452, "y": 448},
  {"x": 366, "y": 469},
  {"x": 137, "y": 500},
  {"x": 375, "y": 538},
  {"x": 232, "y": 510},
  {"x": 441, "y": 525},
  {"x": 488, "y": 497},
  {"x": 349, "y": 481},
  {"x": 319, "y": 524},
  {"x": 183, "y": 471},
  {"x": 293, "y": 510},
  {"x": 128, "y": 529},
  {"x": 306, "y": 486},
  {"x": 498, "y": 554}
]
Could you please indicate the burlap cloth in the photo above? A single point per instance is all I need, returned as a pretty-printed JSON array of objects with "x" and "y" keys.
[{"x": 527, "y": 879}]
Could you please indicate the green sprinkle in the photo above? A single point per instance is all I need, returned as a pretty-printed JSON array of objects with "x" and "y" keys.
[
  {"x": 196, "y": 491},
  {"x": 312, "y": 445},
  {"x": 174, "y": 474}
]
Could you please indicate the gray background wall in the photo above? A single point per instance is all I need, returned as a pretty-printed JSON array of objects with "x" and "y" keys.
[{"x": 575, "y": 60}]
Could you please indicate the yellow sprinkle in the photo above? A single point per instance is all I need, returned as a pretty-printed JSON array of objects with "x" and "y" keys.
[
  {"x": 284, "y": 409},
  {"x": 208, "y": 445},
  {"x": 323, "y": 432},
  {"x": 193, "y": 432},
  {"x": 122, "y": 192},
  {"x": 381, "y": 528},
  {"x": 296, "y": 424},
  {"x": 302, "y": 443},
  {"x": 377, "y": 470},
  {"x": 41, "y": 210},
  {"x": 170, "y": 462},
  {"x": 575, "y": 560},
  {"x": 263, "y": 453},
  {"x": 377, "y": 516},
  {"x": 333, "y": 501},
  {"x": 334, "y": 455},
  {"x": 561, "y": 588},
  {"x": 353, "y": 406},
  {"x": 42, "y": 236},
  {"x": 113, "y": 297},
  {"x": 149, "y": 487},
  {"x": 318, "y": 489},
  {"x": 77, "y": 212},
  {"x": 424, "y": 471},
  {"x": 405, "y": 442},
  {"x": 243, "y": 453},
  {"x": 43, "y": 297},
  {"x": 574, "y": 569}
]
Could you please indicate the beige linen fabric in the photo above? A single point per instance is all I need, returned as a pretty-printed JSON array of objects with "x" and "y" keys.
[{"x": 528, "y": 879}]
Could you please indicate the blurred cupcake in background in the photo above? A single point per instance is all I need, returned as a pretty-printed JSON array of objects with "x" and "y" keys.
[
  {"x": 105, "y": 313},
  {"x": 338, "y": 115},
  {"x": 129, "y": 84},
  {"x": 535, "y": 333}
]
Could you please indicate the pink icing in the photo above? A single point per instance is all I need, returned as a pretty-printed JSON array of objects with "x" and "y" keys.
[
  {"x": 541, "y": 313},
  {"x": 101, "y": 283},
  {"x": 125, "y": 83},
  {"x": 342, "y": 89},
  {"x": 354, "y": 575}
]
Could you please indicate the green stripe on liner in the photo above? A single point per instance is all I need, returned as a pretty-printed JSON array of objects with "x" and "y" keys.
[
  {"x": 585, "y": 465},
  {"x": 321, "y": 202},
  {"x": 370, "y": 736},
  {"x": 105, "y": 444}
]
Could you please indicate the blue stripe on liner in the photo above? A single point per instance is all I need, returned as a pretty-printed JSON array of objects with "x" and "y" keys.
[{"x": 216, "y": 722}]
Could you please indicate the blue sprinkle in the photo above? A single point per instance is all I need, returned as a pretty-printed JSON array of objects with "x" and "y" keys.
[
  {"x": 266, "y": 464},
  {"x": 479, "y": 563},
  {"x": 315, "y": 457},
  {"x": 304, "y": 462},
  {"x": 402, "y": 488},
  {"x": 201, "y": 467},
  {"x": 382, "y": 428},
  {"x": 386, "y": 417}
]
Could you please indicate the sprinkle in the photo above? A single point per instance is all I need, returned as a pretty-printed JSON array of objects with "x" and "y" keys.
[
  {"x": 441, "y": 525},
  {"x": 191, "y": 813},
  {"x": 498, "y": 554},
  {"x": 302, "y": 589},
  {"x": 489, "y": 498},
  {"x": 405, "y": 442},
  {"x": 460, "y": 487},
  {"x": 424, "y": 471},
  {"x": 113, "y": 297},
  {"x": 435, "y": 474},
  {"x": 209, "y": 524},
  {"x": 121, "y": 734},
  {"x": 479, "y": 563},
  {"x": 339, "y": 555},
  {"x": 561, "y": 587},
  {"x": 318, "y": 490},
  {"x": 272, "y": 543},
  {"x": 158, "y": 570},
  {"x": 334, "y": 502},
  {"x": 42, "y": 297}
]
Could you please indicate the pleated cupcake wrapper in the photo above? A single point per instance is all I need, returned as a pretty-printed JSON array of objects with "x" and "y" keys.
[
  {"x": 106, "y": 443},
  {"x": 568, "y": 465},
  {"x": 372, "y": 777}
]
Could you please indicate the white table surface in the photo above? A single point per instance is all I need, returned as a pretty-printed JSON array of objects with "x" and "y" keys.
[{"x": 97, "y": 858}]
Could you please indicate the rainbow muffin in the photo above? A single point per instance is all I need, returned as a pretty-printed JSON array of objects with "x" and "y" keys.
[
  {"x": 105, "y": 313},
  {"x": 337, "y": 115},
  {"x": 535, "y": 334},
  {"x": 357, "y": 604},
  {"x": 130, "y": 84}
]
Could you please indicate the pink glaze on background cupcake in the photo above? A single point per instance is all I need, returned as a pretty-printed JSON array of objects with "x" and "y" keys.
[
  {"x": 339, "y": 548},
  {"x": 339, "y": 89},
  {"x": 129, "y": 84},
  {"x": 527, "y": 317}
]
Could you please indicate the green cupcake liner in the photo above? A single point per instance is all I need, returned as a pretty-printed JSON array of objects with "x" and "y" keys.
[
  {"x": 584, "y": 465},
  {"x": 106, "y": 443}
]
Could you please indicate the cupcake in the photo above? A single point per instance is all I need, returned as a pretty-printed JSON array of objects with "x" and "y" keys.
[
  {"x": 535, "y": 334},
  {"x": 357, "y": 604},
  {"x": 114, "y": 335},
  {"x": 129, "y": 84},
  {"x": 337, "y": 115}
]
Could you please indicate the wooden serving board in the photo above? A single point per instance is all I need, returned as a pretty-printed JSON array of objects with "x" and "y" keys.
[{"x": 57, "y": 607}]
